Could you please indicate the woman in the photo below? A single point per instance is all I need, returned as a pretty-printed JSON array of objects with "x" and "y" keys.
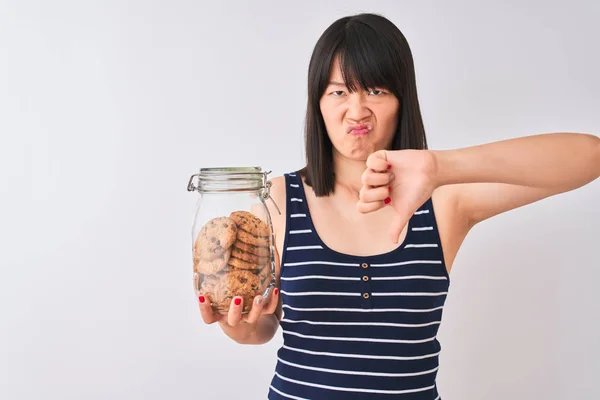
[{"x": 370, "y": 227}]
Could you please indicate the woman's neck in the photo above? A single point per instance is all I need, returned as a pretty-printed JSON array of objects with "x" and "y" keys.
[{"x": 348, "y": 174}]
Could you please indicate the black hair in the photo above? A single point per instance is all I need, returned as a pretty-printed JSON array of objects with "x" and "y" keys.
[{"x": 372, "y": 53}]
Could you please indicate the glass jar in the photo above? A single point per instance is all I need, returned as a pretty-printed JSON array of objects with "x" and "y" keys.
[{"x": 232, "y": 236}]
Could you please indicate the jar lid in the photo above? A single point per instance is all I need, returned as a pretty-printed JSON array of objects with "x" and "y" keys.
[{"x": 229, "y": 179}]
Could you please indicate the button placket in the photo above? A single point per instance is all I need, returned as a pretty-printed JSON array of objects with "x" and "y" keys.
[{"x": 365, "y": 285}]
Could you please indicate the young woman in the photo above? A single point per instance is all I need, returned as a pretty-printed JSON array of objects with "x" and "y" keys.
[{"x": 370, "y": 227}]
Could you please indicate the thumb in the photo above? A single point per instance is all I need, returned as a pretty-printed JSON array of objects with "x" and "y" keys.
[{"x": 378, "y": 161}]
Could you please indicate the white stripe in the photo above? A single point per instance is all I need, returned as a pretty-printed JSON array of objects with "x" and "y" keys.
[
  {"x": 292, "y": 174},
  {"x": 410, "y": 310},
  {"x": 286, "y": 395},
  {"x": 335, "y": 278},
  {"x": 361, "y": 323},
  {"x": 422, "y": 212},
  {"x": 407, "y": 263},
  {"x": 317, "y": 247},
  {"x": 320, "y": 293},
  {"x": 363, "y": 373},
  {"x": 409, "y": 294},
  {"x": 355, "y": 339},
  {"x": 300, "y": 231},
  {"x": 423, "y": 228},
  {"x": 294, "y": 185},
  {"x": 420, "y": 246},
  {"x": 297, "y": 215},
  {"x": 362, "y": 356},
  {"x": 296, "y": 199},
  {"x": 320, "y": 263},
  {"x": 346, "y": 389},
  {"x": 437, "y": 398},
  {"x": 401, "y": 278}
]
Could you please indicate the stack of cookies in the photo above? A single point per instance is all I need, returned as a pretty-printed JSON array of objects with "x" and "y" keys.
[{"x": 232, "y": 257}]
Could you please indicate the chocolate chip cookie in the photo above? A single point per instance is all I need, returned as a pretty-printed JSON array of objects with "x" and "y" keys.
[
  {"x": 215, "y": 237},
  {"x": 208, "y": 284},
  {"x": 260, "y": 251},
  {"x": 236, "y": 283},
  {"x": 250, "y": 223},
  {"x": 248, "y": 257},
  {"x": 214, "y": 266},
  {"x": 237, "y": 264},
  {"x": 251, "y": 239}
]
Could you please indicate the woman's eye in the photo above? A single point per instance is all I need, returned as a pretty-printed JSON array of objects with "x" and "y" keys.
[
  {"x": 376, "y": 92},
  {"x": 338, "y": 93}
]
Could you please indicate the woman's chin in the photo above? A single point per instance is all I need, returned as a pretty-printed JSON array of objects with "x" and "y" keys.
[{"x": 360, "y": 154}]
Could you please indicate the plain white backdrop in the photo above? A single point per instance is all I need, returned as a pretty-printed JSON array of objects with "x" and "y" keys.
[{"x": 107, "y": 108}]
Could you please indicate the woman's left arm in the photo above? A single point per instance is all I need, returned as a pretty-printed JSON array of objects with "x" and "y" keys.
[
  {"x": 497, "y": 177},
  {"x": 484, "y": 180}
]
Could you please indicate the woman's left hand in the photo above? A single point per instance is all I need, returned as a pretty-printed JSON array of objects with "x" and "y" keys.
[{"x": 404, "y": 179}]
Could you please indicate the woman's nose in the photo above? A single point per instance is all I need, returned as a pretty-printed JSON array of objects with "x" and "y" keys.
[{"x": 357, "y": 109}]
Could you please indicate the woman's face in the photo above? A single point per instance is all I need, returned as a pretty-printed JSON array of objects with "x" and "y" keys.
[{"x": 358, "y": 123}]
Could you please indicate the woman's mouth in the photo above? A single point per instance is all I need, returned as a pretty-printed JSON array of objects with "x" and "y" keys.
[{"x": 359, "y": 130}]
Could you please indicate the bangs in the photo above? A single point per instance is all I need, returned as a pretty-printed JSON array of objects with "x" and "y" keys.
[{"x": 367, "y": 61}]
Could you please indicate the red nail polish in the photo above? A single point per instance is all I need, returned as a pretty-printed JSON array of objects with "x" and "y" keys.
[
  {"x": 276, "y": 291},
  {"x": 201, "y": 299},
  {"x": 237, "y": 301},
  {"x": 389, "y": 166},
  {"x": 387, "y": 200}
]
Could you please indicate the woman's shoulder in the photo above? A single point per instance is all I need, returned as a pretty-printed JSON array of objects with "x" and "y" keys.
[{"x": 278, "y": 186}]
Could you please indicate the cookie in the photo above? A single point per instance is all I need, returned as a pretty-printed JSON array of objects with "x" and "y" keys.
[
  {"x": 208, "y": 283},
  {"x": 244, "y": 282},
  {"x": 254, "y": 240},
  {"x": 238, "y": 264},
  {"x": 260, "y": 251},
  {"x": 211, "y": 267},
  {"x": 221, "y": 296},
  {"x": 215, "y": 237},
  {"x": 250, "y": 223},
  {"x": 236, "y": 283},
  {"x": 248, "y": 257}
]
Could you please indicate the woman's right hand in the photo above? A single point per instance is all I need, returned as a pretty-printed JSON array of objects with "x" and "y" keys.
[{"x": 234, "y": 316}]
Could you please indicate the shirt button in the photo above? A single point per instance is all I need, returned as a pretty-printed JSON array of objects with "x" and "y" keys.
[
  {"x": 365, "y": 278},
  {"x": 365, "y": 265},
  {"x": 366, "y": 295}
]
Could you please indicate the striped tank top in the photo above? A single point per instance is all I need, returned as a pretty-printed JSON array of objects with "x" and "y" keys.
[{"x": 358, "y": 327}]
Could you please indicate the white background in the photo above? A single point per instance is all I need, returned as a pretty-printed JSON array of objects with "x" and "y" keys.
[{"x": 107, "y": 108}]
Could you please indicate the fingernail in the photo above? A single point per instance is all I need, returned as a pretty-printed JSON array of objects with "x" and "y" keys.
[
  {"x": 389, "y": 166},
  {"x": 237, "y": 301},
  {"x": 201, "y": 299},
  {"x": 276, "y": 291},
  {"x": 387, "y": 200},
  {"x": 259, "y": 300}
]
